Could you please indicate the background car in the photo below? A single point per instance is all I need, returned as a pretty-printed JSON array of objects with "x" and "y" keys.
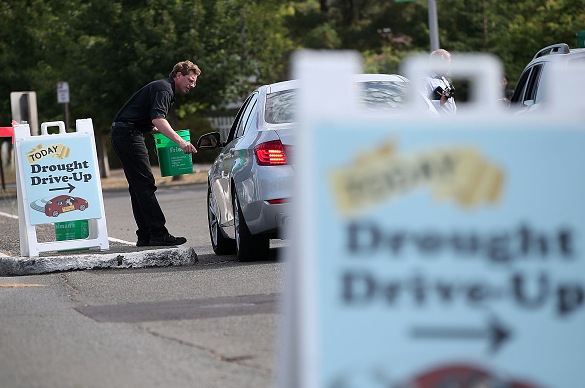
[
  {"x": 530, "y": 93},
  {"x": 63, "y": 204},
  {"x": 250, "y": 182}
]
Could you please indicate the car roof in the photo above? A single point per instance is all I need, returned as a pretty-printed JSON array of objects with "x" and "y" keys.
[
  {"x": 279, "y": 86},
  {"x": 556, "y": 52},
  {"x": 294, "y": 84},
  {"x": 62, "y": 196}
]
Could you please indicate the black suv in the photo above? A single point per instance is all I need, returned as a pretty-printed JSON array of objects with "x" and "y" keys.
[{"x": 529, "y": 91}]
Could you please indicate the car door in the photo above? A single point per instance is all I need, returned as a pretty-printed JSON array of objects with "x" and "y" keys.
[{"x": 226, "y": 160}]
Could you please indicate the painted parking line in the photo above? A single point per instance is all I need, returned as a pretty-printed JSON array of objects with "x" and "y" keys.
[
  {"x": 9, "y": 215},
  {"x": 113, "y": 239}
]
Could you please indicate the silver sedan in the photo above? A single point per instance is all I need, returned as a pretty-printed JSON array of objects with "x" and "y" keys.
[{"x": 250, "y": 181}]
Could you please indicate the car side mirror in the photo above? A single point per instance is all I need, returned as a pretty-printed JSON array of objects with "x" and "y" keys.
[{"x": 209, "y": 141}]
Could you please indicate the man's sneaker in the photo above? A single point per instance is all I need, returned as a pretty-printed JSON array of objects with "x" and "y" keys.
[{"x": 168, "y": 240}]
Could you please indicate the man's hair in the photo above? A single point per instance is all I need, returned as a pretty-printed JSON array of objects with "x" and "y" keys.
[
  {"x": 440, "y": 54},
  {"x": 184, "y": 68}
]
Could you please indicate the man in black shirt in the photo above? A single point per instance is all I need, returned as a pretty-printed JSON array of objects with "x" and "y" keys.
[{"x": 144, "y": 111}]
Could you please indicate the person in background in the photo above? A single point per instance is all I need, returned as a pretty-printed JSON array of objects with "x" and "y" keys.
[
  {"x": 438, "y": 88},
  {"x": 144, "y": 112},
  {"x": 506, "y": 93}
]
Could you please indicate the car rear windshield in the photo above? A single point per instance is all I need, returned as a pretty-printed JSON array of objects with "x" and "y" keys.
[{"x": 374, "y": 95}]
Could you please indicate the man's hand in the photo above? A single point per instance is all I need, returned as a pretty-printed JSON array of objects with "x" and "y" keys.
[
  {"x": 444, "y": 98},
  {"x": 165, "y": 128},
  {"x": 188, "y": 148}
]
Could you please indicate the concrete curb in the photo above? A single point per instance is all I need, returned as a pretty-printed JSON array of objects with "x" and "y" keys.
[{"x": 18, "y": 266}]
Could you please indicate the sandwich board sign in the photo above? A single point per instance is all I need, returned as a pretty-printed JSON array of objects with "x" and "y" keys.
[
  {"x": 430, "y": 251},
  {"x": 58, "y": 181}
]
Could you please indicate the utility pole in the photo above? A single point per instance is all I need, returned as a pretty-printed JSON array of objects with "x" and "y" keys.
[{"x": 433, "y": 25}]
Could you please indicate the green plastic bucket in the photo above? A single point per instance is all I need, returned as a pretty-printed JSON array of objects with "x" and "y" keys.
[
  {"x": 171, "y": 158},
  {"x": 71, "y": 230}
]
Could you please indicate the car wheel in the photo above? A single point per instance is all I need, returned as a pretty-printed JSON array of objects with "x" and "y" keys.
[
  {"x": 221, "y": 245},
  {"x": 248, "y": 246},
  {"x": 55, "y": 213},
  {"x": 82, "y": 207}
]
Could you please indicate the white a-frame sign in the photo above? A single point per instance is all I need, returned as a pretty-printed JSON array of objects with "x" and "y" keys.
[{"x": 58, "y": 180}]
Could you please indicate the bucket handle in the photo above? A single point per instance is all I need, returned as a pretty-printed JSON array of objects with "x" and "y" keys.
[{"x": 48, "y": 124}]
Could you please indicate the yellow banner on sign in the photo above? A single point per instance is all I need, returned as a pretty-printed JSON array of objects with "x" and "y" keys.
[
  {"x": 460, "y": 173},
  {"x": 39, "y": 152}
]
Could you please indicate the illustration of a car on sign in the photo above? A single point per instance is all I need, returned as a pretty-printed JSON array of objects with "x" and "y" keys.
[{"x": 64, "y": 204}]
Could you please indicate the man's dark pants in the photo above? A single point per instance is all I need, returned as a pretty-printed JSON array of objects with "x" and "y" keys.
[{"x": 131, "y": 149}]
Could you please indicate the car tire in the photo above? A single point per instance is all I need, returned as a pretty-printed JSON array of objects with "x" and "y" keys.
[
  {"x": 82, "y": 207},
  {"x": 221, "y": 244},
  {"x": 248, "y": 246},
  {"x": 55, "y": 213}
]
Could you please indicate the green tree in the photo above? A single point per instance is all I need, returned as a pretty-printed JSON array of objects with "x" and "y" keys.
[
  {"x": 107, "y": 49},
  {"x": 531, "y": 25},
  {"x": 30, "y": 60}
]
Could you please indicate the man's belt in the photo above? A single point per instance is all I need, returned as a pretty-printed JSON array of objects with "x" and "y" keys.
[
  {"x": 124, "y": 124},
  {"x": 131, "y": 127}
]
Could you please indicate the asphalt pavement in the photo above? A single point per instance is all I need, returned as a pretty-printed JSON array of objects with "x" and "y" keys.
[{"x": 121, "y": 254}]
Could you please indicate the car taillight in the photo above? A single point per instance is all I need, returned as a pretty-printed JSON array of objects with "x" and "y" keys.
[
  {"x": 271, "y": 153},
  {"x": 278, "y": 201}
]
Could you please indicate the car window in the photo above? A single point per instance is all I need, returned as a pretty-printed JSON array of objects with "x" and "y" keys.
[
  {"x": 532, "y": 86},
  {"x": 238, "y": 119},
  {"x": 280, "y": 107},
  {"x": 243, "y": 125},
  {"x": 252, "y": 117},
  {"x": 374, "y": 95},
  {"x": 384, "y": 95},
  {"x": 520, "y": 87}
]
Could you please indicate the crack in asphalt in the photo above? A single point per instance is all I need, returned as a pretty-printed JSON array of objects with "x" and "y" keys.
[
  {"x": 75, "y": 294},
  {"x": 215, "y": 354}
]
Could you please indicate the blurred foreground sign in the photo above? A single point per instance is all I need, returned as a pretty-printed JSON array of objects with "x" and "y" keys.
[{"x": 433, "y": 252}]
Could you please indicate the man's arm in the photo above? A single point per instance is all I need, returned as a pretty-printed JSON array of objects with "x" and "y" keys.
[{"x": 163, "y": 126}]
